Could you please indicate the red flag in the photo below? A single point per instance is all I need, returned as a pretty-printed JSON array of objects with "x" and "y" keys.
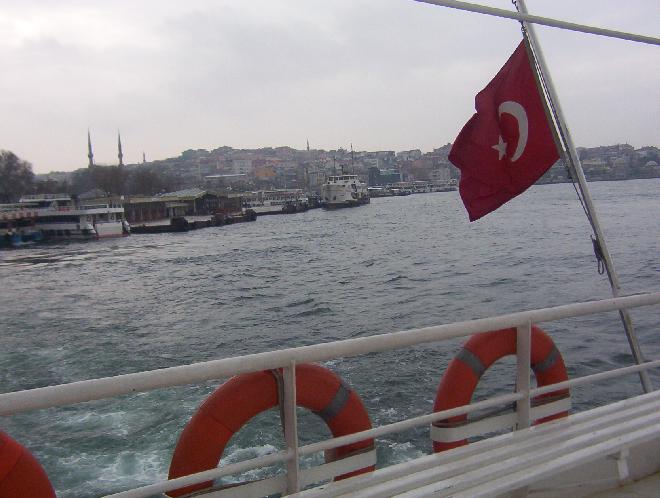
[{"x": 507, "y": 145}]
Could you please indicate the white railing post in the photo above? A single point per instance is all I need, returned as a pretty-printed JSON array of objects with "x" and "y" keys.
[
  {"x": 523, "y": 374},
  {"x": 291, "y": 428},
  {"x": 523, "y": 357}
]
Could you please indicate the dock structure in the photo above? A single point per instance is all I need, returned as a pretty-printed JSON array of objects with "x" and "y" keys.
[{"x": 184, "y": 210}]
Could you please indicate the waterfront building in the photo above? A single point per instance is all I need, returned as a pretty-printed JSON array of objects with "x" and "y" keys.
[{"x": 188, "y": 202}]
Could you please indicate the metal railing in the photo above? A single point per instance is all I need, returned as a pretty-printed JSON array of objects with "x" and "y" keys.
[
  {"x": 543, "y": 21},
  {"x": 287, "y": 359}
]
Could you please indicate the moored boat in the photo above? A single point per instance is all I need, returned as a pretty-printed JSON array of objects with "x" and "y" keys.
[
  {"x": 60, "y": 216},
  {"x": 344, "y": 191},
  {"x": 18, "y": 227},
  {"x": 264, "y": 202}
]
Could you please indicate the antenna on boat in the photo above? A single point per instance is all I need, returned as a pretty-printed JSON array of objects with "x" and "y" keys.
[
  {"x": 352, "y": 160},
  {"x": 571, "y": 158}
]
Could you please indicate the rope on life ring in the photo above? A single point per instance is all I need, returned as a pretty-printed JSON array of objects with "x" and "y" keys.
[
  {"x": 242, "y": 397},
  {"x": 482, "y": 350},
  {"x": 20, "y": 473}
]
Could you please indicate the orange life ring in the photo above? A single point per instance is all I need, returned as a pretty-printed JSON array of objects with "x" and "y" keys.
[
  {"x": 235, "y": 402},
  {"x": 478, "y": 354},
  {"x": 20, "y": 473}
]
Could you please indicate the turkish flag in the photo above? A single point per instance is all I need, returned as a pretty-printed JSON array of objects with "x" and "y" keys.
[{"x": 508, "y": 144}]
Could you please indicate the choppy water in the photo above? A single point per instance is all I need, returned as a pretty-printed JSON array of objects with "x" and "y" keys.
[{"x": 84, "y": 310}]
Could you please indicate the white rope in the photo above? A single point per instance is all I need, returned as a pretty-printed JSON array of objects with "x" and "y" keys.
[{"x": 545, "y": 21}]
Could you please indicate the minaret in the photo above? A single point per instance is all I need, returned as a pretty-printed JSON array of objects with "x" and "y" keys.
[
  {"x": 120, "y": 155},
  {"x": 144, "y": 158},
  {"x": 90, "y": 154}
]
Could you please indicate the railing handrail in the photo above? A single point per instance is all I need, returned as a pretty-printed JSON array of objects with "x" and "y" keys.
[
  {"x": 94, "y": 389},
  {"x": 16, "y": 402},
  {"x": 335, "y": 442}
]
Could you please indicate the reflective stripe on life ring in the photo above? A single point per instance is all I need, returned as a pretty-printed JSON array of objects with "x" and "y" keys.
[
  {"x": 235, "y": 402},
  {"x": 21, "y": 475},
  {"x": 478, "y": 354}
]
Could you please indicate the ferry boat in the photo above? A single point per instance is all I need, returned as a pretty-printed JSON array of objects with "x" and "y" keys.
[
  {"x": 379, "y": 191},
  {"x": 344, "y": 191},
  {"x": 264, "y": 202},
  {"x": 17, "y": 226},
  {"x": 445, "y": 186},
  {"x": 59, "y": 216}
]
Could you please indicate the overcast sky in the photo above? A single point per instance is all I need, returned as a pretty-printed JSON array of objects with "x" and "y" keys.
[{"x": 382, "y": 74}]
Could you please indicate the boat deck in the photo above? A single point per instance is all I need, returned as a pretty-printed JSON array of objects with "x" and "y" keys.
[
  {"x": 646, "y": 488},
  {"x": 588, "y": 452}
]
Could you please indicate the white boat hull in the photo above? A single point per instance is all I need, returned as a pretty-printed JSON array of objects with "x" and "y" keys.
[
  {"x": 110, "y": 229},
  {"x": 344, "y": 191}
]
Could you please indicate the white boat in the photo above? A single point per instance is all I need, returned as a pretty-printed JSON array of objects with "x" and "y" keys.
[
  {"x": 344, "y": 191},
  {"x": 59, "y": 216},
  {"x": 379, "y": 191},
  {"x": 276, "y": 201},
  {"x": 445, "y": 186}
]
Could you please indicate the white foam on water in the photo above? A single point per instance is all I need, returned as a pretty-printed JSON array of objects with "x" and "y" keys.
[
  {"x": 388, "y": 413},
  {"x": 139, "y": 467},
  {"x": 115, "y": 423},
  {"x": 239, "y": 454},
  {"x": 100, "y": 474},
  {"x": 401, "y": 452}
]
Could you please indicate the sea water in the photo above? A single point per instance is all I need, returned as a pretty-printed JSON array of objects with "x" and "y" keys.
[{"x": 78, "y": 311}]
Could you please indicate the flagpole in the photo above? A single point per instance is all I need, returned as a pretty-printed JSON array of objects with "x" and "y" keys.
[{"x": 576, "y": 168}]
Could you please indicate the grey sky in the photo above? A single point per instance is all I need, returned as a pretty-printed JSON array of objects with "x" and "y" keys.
[{"x": 382, "y": 74}]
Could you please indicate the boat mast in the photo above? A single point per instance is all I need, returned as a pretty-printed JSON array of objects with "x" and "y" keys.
[
  {"x": 352, "y": 160},
  {"x": 573, "y": 160}
]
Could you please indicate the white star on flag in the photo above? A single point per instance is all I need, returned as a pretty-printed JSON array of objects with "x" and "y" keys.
[{"x": 500, "y": 147}]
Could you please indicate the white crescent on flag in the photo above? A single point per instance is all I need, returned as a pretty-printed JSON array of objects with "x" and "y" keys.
[{"x": 518, "y": 112}]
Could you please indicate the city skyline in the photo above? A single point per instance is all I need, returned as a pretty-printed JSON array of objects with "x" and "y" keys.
[{"x": 394, "y": 75}]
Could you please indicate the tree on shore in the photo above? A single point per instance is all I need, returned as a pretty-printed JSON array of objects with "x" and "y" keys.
[
  {"x": 147, "y": 181},
  {"x": 110, "y": 179},
  {"x": 16, "y": 177}
]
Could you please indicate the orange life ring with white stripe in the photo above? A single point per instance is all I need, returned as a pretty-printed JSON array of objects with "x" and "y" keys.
[
  {"x": 235, "y": 402},
  {"x": 20, "y": 473},
  {"x": 482, "y": 350}
]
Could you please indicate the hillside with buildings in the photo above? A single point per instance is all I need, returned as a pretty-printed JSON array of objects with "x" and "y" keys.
[{"x": 285, "y": 167}]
